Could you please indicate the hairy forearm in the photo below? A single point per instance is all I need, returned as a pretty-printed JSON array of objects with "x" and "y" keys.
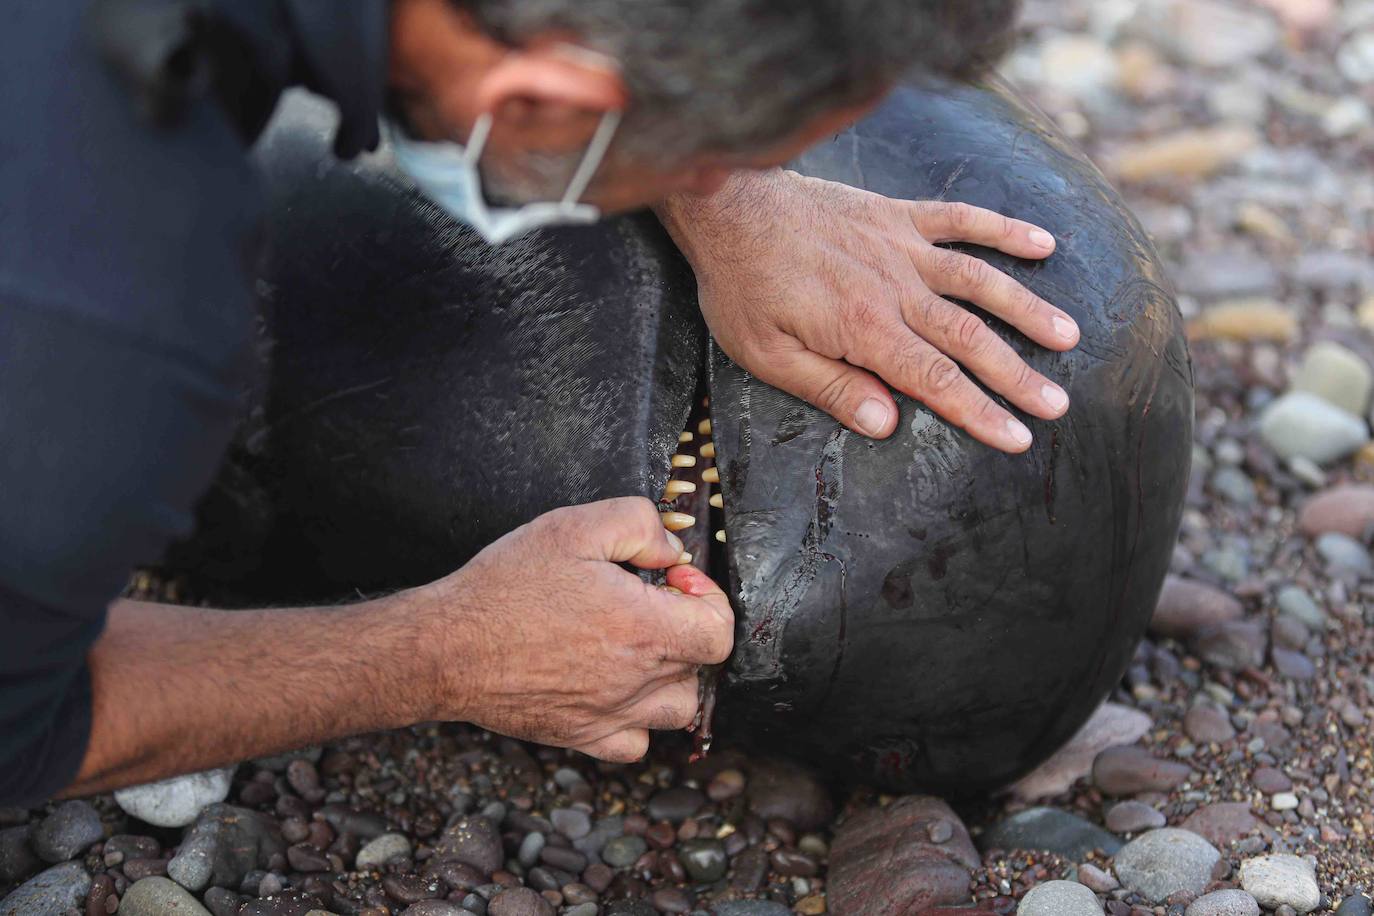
[{"x": 183, "y": 689}]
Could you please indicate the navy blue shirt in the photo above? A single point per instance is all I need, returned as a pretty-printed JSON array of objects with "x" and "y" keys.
[{"x": 128, "y": 223}]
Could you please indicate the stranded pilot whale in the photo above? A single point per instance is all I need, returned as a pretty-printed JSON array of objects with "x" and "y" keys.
[{"x": 922, "y": 613}]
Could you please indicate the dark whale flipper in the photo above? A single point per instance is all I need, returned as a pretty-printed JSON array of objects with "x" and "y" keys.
[{"x": 926, "y": 612}]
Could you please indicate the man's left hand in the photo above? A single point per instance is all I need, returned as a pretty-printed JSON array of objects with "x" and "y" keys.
[{"x": 808, "y": 283}]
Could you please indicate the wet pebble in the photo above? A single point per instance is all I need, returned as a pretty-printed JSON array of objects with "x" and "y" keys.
[
  {"x": 1059, "y": 898},
  {"x": 16, "y": 858},
  {"x": 1096, "y": 880},
  {"x": 622, "y": 852},
  {"x": 68, "y": 831},
  {"x": 725, "y": 785},
  {"x": 223, "y": 845},
  {"x": 750, "y": 908},
  {"x": 1186, "y": 606},
  {"x": 159, "y": 897},
  {"x": 1270, "y": 780},
  {"x": 382, "y": 849},
  {"x": 411, "y": 888},
  {"x": 1052, "y": 830},
  {"x": 1234, "y": 645},
  {"x": 704, "y": 860},
  {"x": 435, "y": 908},
  {"x": 1355, "y": 905},
  {"x": 671, "y": 900},
  {"x": 676, "y": 804},
  {"x": 136, "y": 869},
  {"x": 573, "y": 823},
  {"x": 519, "y": 901},
  {"x": 473, "y": 840},
  {"x": 530, "y": 848}
]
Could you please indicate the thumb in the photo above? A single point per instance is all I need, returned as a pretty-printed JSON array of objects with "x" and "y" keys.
[
  {"x": 849, "y": 394},
  {"x": 624, "y": 530},
  {"x": 701, "y": 620}
]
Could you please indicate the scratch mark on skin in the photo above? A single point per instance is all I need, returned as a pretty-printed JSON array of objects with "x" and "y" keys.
[
  {"x": 954, "y": 176},
  {"x": 328, "y": 399}
]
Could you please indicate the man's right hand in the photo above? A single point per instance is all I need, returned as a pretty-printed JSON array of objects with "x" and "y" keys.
[{"x": 548, "y": 639}]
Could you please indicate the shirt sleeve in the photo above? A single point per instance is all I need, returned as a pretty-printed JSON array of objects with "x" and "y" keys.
[{"x": 125, "y": 346}]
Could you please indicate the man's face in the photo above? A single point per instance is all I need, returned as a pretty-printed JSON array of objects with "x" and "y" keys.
[{"x": 629, "y": 182}]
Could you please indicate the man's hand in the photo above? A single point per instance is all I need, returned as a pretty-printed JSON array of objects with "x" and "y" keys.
[
  {"x": 576, "y": 651},
  {"x": 808, "y": 283}
]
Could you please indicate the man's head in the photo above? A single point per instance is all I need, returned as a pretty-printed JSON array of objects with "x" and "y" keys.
[{"x": 707, "y": 86}]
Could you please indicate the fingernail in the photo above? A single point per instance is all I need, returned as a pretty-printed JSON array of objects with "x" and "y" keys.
[
  {"x": 1019, "y": 434},
  {"x": 871, "y": 417},
  {"x": 1041, "y": 239},
  {"x": 1065, "y": 327},
  {"x": 1055, "y": 397}
]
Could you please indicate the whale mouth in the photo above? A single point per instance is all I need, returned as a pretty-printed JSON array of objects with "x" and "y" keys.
[{"x": 692, "y": 507}]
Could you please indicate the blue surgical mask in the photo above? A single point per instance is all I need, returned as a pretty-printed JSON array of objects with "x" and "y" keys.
[{"x": 447, "y": 173}]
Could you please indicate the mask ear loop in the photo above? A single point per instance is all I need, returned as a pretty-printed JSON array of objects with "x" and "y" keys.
[
  {"x": 477, "y": 141},
  {"x": 591, "y": 160}
]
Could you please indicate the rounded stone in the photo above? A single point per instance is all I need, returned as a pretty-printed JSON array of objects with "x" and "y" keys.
[
  {"x": 55, "y": 890},
  {"x": 175, "y": 802},
  {"x": 1281, "y": 879},
  {"x": 622, "y": 851},
  {"x": 381, "y": 850},
  {"x": 519, "y": 901},
  {"x": 1133, "y": 817},
  {"x": 1230, "y": 902},
  {"x": 1059, "y": 898},
  {"x": 705, "y": 860},
  {"x": 159, "y": 897},
  {"x": 68, "y": 831},
  {"x": 1163, "y": 862}
]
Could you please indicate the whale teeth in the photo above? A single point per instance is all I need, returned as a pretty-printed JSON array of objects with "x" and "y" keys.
[
  {"x": 708, "y": 450},
  {"x": 672, "y": 591},
  {"x": 684, "y": 437},
  {"x": 685, "y": 559},
  {"x": 677, "y": 521},
  {"x": 684, "y": 461},
  {"x": 711, "y": 475},
  {"x": 676, "y": 488},
  {"x": 720, "y": 535},
  {"x": 704, "y": 427},
  {"x": 718, "y": 501}
]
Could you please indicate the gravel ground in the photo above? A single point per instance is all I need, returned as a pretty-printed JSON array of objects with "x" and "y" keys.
[{"x": 1240, "y": 133}]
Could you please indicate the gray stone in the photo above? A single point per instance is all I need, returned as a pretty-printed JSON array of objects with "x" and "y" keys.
[
  {"x": 1059, "y": 898},
  {"x": 1343, "y": 553},
  {"x": 178, "y": 801},
  {"x": 1357, "y": 905},
  {"x": 381, "y": 850},
  {"x": 67, "y": 832},
  {"x": 1299, "y": 424},
  {"x": 519, "y": 901},
  {"x": 573, "y": 823},
  {"x": 622, "y": 851},
  {"x": 1337, "y": 375},
  {"x": 159, "y": 897},
  {"x": 223, "y": 845},
  {"x": 1133, "y": 817},
  {"x": 705, "y": 860},
  {"x": 1295, "y": 602},
  {"x": 17, "y": 860},
  {"x": 1281, "y": 879},
  {"x": 50, "y": 893},
  {"x": 530, "y": 848},
  {"x": 1163, "y": 862},
  {"x": 1235, "y": 645},
  {"x": 1229, "y": 902},
  {"x": 1051, "y": 830},
  {"x": 675, "y": 804},
  {"x": 1234, "y": 486},
  {"x": 1112, "y": 725},
  {"x": 750, "y": 908},
  {"x": 1206, "y": 724},
  {"x": 603, "y": 831}
]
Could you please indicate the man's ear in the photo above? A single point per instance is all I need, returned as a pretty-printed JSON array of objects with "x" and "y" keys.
[{"x": 550, "y": 96}]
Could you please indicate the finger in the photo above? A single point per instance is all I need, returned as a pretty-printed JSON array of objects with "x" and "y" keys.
[
  {"x": 848, "y": 393},
  {"x": 671, "y": 707},
  {"x": 624, "y": 530},
  {"x": 964, "y": 336},
  {"x": 952, "y": 273},
  {"x": 917, "y": 368},
  {"x": 698, "y": 626},
  {"x": 938, "y": 221},
  {"x": 623, "y": 747}
]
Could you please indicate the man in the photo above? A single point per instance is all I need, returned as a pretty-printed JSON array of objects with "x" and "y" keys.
[{"x": 127, "y": 217}]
